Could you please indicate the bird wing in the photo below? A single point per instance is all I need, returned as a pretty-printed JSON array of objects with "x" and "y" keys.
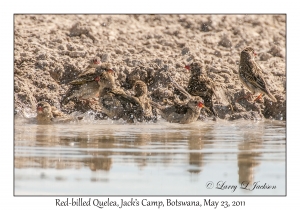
[
  {"x": 201, "y": 86},
  {"x": 63, "y": 119},
  {"x": 84, "y": 79},
  {"x": 87, "y": 72},
  {"x": 56, "y": 112},
  {"x": 86, "y": 76},
  {"x": 109, "y": 101},
  {"x": 70, "y": 94},
  {"x": 181, "y": 109},
  {"x": 253, "y": 75},
  {"x": 59, "y": 116},
  {"x": 181, "y": 89},
  {"x": 121, "y": 95}
]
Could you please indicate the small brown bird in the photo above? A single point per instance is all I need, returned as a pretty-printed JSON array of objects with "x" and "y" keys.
[
  {"x": 110, "y": 105},
  {"x": 201, "y": 85},
  {"x": 47, "y": 114},
  {"x": 250, "y": 73},
  {"x": 106, "y": 76},
  {"x": 189, "y": 110},
  {"x": 86, "y": 85},
  {"x": 143, "y": 73},
  {"x": 138, "y": 106}
]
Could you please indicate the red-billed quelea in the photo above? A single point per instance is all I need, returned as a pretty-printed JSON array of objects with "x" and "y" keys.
[
  {"x": 201, "y": 85},
  {"x": 188, "y": 112},
  {"x": 85, "y": 86},
  {"x": 47, "y": 114},
  {"x": 250, "y": 74},
  {"x": 110, "y": 105},
  {"x": 138, "y": 106}
]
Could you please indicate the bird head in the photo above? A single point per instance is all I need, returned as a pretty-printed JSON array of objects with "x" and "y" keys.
[
  {"x": 43, "y": 107},
  {"x": 188, "y": 67},
  {"x": 248, "y": 52},
  {"x": 107, "y": 78},
  {"x": 94, "y": 62},
  {"x": 195, "y": 68},
  {"x": 196, "y": 103},
  {"x": 111, "y": 71},
  {"x": 140, "y": 88}
]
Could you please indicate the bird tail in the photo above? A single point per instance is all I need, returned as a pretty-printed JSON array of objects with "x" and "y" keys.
[
  {"x": 271, "y": 97},
  {"x": 65, "y": 100}
]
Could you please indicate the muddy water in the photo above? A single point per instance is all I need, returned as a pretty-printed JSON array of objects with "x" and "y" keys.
[{"x": 112, "y": 158}]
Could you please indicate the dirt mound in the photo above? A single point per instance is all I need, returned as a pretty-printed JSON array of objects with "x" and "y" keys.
[{"x": 52, "y": 50}]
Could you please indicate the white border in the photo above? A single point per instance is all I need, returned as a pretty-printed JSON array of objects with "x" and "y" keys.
[{"x": 153, "y": 6}]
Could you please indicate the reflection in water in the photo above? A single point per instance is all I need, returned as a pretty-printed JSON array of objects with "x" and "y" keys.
[
  {"x": 247, "y": 155},
  {"x": 150, "y": 156},
  {"x": 195, "y": 144},
  {"x": 99, "y": 164}
]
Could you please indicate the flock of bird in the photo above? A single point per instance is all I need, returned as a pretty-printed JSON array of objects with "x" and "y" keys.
[{"x": 99, "y": 81}]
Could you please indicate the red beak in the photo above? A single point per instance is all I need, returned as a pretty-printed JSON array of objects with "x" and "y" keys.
[
  {"x": 96, "y": 61},
  {"x": 188, "y": 67},
  {"x": 111, "y": 71},
  {"x": 39, "y": 108},
  {"x": 200, "y": 105}
]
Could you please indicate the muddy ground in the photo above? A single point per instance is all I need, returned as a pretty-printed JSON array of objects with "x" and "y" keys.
[{"x": 52, "y": 50}]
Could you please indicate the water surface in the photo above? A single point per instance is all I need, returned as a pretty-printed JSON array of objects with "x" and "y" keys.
[{"x": 113, "y": 158}]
